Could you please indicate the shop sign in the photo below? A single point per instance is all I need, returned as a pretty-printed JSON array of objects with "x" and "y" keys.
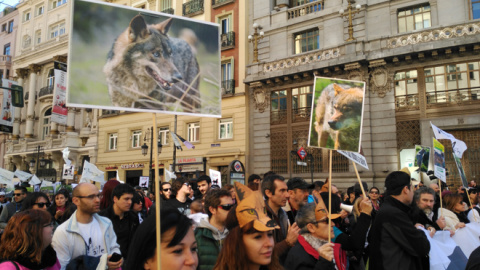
[
  {"x": 190, "y": 160},
  {"x": 132, "y": 166},
  {"x": 190, "y": 168},
  {"x": 111, "y": 168}
]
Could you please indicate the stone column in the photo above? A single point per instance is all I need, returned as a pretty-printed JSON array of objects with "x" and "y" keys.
[
  {"x": 31, "y": 99},
  {"x": 21, "y": 73},
  {"x": 71, "y": 120},
  {"x": 53, "y": 128}
]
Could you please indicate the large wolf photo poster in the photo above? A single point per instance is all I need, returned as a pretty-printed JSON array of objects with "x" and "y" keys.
[
  {"x": 6, "y": 118},
  {"x": 123, "y": 58},
  {"x": 439, "y": 160},
  {"x": 422, "y": 157},
  {"x": 337, "y": 114},
  {"x": 59, "y": 110}
]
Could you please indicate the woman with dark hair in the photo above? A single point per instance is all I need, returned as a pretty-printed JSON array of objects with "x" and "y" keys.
[
  {"x": 453, "y": 211},
  {"x": 62, "y": 208},
  {"x": 178, "y": 245},
  {"x": 249, "y": 243},
  {"x": 26, "y": 242},
  {"x": 374, "y": 195},
  {"x": 36, "y": 200},
  {"x": 138, "y": 206},
  {"x": 107, "y": 199}
]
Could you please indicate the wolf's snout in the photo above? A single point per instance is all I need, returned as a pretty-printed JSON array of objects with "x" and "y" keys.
[
  {"x": 333, "y": 124},
  {"x": 177, "y": 77}
]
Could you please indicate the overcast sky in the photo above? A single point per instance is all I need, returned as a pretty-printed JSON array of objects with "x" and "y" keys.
[{"x": 5, "y": 3}]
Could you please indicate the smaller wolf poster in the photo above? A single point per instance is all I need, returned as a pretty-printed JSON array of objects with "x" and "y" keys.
[
  {"x": 6, "y": 119},
  {"x": 337, "y": 114},
  {"x": 68, "y": 171},
  {"x": 439, "y": 160},
  {"x": 463, "y": 177},
  {"x": 60, "y": 110},
  {"x": 143, "y": 182},
  {"x": 422, "y": 156}
]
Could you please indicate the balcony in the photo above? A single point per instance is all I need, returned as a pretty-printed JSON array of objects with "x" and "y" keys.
[
  {"x": 219, "y": 3},
  {"x": 47, "y": 90},
  {"x": 169, "y": 11},
  {"x": 192, "y": 8},
  {"x": 407, "y": 103},
  {"x": 5, "y": 59},
  {"x": 460, "y": 96},
  {"x": 228, "y": 87},
  {"x": 305, "y": 9},
  {"x": 227, "y": 40}
]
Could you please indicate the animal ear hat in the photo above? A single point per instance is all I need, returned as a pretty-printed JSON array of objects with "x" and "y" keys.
[
  {"x": 251, "y": 207},
  {"x": 321, "y": 211}
]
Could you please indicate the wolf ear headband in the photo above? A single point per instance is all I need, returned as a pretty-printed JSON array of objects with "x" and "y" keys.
[
  {"x": 251, "y": 207},
  {"x": 321, "y": 211}
]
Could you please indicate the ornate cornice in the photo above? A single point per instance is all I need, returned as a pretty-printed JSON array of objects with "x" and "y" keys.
[
  {"x": 60, "y": 58},
  {"x": 22, "y": 73},
  {"x": 35, "y": 68},
  {"x": 302, "y": 60}
]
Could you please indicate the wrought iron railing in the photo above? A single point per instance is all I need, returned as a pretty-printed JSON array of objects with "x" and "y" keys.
[
  {"x": 301, "y": 114},
  {"x": 461, "y": 95},
  {"x": 279, "y": 165},
  {"x": 227, "y": 40},
  {"x": 5, "y": 59},
  {"x": 228, "y": 87},
  {"x": 193, "y": 7},
  {"x": 47, "y": 90},
  {"x": 278, "y": 117},
  {"x": 169, "y": 11},
  {"x": 305, "y": 9},
  {"x": 218, "y": 3},
  {"x": 407, "y": 102}
]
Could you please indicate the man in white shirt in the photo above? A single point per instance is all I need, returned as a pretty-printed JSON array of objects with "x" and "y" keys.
[{"x": 85, "y": 232}]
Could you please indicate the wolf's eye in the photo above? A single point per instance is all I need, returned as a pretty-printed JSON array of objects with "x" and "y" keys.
[{"x": 156, "y": 54}]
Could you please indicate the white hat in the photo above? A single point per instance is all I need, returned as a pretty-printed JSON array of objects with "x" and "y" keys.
[{"x": 2, "y": 193}]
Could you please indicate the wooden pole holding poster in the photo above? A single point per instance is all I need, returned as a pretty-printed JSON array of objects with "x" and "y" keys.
[
  {"x": 359, "y": 181},
  {"x": 157, "y": 188},
  {"x": 440, "y": 187},
  {"x": 330, "y": 197}
]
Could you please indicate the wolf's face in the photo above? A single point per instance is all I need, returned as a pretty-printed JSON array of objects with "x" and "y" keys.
[
  {"x": 347, "y": 108},
  {"x": 149, "y": 53}
]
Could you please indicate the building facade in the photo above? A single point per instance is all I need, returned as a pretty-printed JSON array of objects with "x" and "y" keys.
[
  {"x": 42, "y": 39},
  {"x": 420, "y": 64},
  {"x": 217, "y": 141}
]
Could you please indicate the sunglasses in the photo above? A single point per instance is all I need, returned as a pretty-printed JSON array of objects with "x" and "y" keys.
[
  {"x": 17, "y": 194},
  {"x": 226, "y": 207},
  {"x": 166, "y": 189},
  {"x": 42, "y": 204}
]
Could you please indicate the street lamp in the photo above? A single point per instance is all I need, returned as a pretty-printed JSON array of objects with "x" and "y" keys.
[
  {"x": 145, "y": 151},
  {"x": 351, "y": 11},
  {"x": 255, "y": 38},
  {"x": 40, "y": 162}
]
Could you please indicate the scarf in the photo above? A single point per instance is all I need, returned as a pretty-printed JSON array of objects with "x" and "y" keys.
[{"x": 49, "y": 258}]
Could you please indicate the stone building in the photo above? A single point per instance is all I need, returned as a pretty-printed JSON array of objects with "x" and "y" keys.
[
  {"x": 42, "y": 38},
  {"x": 420, "y": 60}
]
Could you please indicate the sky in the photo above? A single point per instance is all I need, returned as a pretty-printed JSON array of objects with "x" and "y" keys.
[{"x": 7, "y": 2}]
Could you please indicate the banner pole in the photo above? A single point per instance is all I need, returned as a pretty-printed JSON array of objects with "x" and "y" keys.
[
  {"x": 358, "y": 177},
  {"x": 157, "y": 188},
  {"x": 330, "y": 197},
  {"x": 440, "y": 187},
  {"x": 468, "y": 196}
]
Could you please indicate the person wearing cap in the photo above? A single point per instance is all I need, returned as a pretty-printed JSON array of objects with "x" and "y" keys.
[
  {"x": 249, "y": 243},
  {"x": 474, "y": 213},
  {"x": 395, "y": 241},
  {"x": 298, "y": 192}
]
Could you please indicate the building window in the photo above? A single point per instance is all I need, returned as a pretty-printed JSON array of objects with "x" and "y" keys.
[
  {"x": 57, "y": 3},
  {"x": 301, "y": 103},
  {"x": 166, "y": 4},
  {"x": 38, "y": 37},
  {"x": 278, "y": 106},
  {"x": 10, "y": 26},
  {"x": 46, "y": 123},
  {"x": 1, "y": 73},
  {"x": 136, "y": 136},
  {"x": 57, "y": 30},
  {"x": 193, "y": 132},
  {"x": 112, "y": 141},
  {"x": 26, "y": 16},
  {"x": 307, "y": 41},
  {"x": 476, "y": 9},
  {"x": 225, "y": 128},
  {"x": 4, "y": 27},
  {"x": 228, "y": 83},
  {"x": 6, "y": 49},
  {"x": 50, "y": 78},
  {"x": 163, "y": 134},
  {"x": 414, "y": 18},
  {"x": 40, "y": 10},
  {"x": 406, "y": 89}
]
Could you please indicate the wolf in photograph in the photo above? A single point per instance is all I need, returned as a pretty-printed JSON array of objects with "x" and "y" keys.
[
  {"x": 148, "y": 69},
  {"x": 339, "y": 116}
]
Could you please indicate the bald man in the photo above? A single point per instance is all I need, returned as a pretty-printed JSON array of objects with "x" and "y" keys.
[{"x": 85, "y": 232}]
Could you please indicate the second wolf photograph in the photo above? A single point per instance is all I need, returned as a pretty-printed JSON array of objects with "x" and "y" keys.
[{"x": 337, "y": 114}]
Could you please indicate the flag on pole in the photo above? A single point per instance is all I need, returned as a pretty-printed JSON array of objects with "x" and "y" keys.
[
  {"x": 175, "y": 141},
  {"x": 23, "y": 176},
  {"x": 458, "y": 146},
  {"x": 34, "y": 181},
  {"x": 185, "y": 142},
  {"x": 91, "y": 172},
  {"x": 169, "y": 175},
  {"x": 6, "y": 177},
  {"x": 65, "y": 153},
  {"x": 118, "y": 178}
]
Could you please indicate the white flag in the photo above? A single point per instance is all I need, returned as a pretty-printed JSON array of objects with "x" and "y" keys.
[
  {"x": 118, "y": 178},
  {"x": 91, "y": 172},
  {"x": 169, "y": 175},
  {"x": 6, "y": 177},
  {"x": 458, "y": 146},
  {"x": 66, "y": 152},
  {"x": 34, "y": 181},
  {"x": 23, "y": 176}
]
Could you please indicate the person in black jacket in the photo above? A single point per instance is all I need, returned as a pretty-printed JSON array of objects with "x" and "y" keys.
[
  {"x": 422, "y": 210},
  {"x": 124, "y": 221}
]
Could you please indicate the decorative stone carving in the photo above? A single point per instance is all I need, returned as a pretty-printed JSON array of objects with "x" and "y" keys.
[
  {"x": 61, "y": 58},
  {"x": 379, "y": 78},
  {"x": 22, "y": 73},
  {"x": 260, "y": 96},
  {"x": 302, "y": 60},
  {"x": 35, "y": 68},
  {"x": 354, "y": 71}
]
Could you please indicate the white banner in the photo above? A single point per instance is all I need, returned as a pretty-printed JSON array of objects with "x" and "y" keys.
[
  {"x": 355, "y": 157},
  {"x": 34, "y": 181},
  {"x": 6, "y": 177},
  {"x": 23, "y": 176},
  {"x": 458, "y": 146},
  {"x": 59, "y": 107},
  {"x": 143, "y": 181},
  {"x": 68, "y": 171},
  {"x": 6, "y": 119},
  {"x": 216, "y": 177},
  {"x": 467, "y": 238},
  {"x": 91, "y": 172}
]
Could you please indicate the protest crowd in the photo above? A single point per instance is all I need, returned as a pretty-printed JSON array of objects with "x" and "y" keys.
[{"x": 269, "y": 223}]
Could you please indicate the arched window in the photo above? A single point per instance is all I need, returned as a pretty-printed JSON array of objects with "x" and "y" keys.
[
  {"x": 46, "y": 123},
  {"x": 50, "y": 78}
]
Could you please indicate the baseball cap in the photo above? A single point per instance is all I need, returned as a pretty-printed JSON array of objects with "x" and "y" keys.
[
  {"x": 298, "y": 182},
  {"x": 395, "y": 181}
]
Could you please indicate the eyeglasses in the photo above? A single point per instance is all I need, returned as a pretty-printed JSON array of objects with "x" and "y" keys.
[
  {"x": 51, "y": 224},
  {"x": 226, "y": 207},
  {"x": 322, "y": 221},
  {"x": 186, "y": 184},
  {"x": 17, "y": 194},
  {"x": 91, "y": 197},
  {"x": 166, "y": 189},
  {"x": 42, "y": 204}
]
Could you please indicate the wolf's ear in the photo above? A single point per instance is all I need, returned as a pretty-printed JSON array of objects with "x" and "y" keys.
[
  {"x": 138, "y": 29},
  {"x": 164, "y": 26},
  {"x": 337, "y": 89}
]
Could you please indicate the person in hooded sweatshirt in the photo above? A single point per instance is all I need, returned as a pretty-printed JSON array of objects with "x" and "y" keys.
[{"x": 211, "y": 232}]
